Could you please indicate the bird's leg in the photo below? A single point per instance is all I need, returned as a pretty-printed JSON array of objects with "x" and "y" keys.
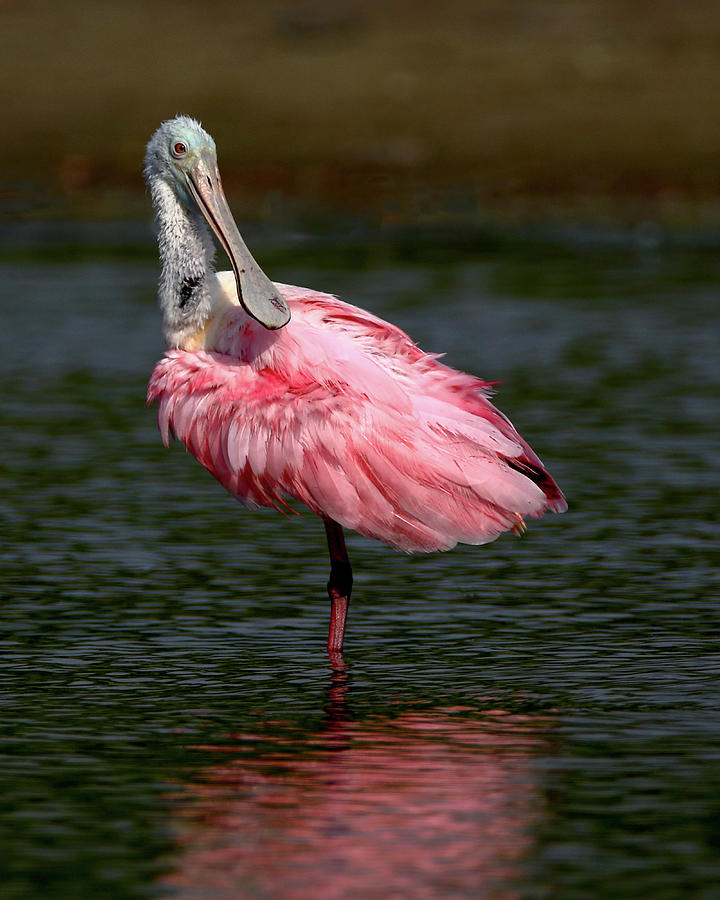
[{"x": 339, "y": 586}]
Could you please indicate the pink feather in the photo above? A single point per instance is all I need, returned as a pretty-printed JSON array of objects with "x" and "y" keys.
[{"x": 343, "y": 412}]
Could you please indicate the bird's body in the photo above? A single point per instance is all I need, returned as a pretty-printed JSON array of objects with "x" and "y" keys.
[
  {"x": 283, "y": 392},
  {"x": 342, "y": 411}
]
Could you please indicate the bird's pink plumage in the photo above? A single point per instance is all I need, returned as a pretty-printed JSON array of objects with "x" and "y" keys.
[{"x": 343, "y": 412}]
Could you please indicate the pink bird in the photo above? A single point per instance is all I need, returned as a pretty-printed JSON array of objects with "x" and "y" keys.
[{"x": 284, "y": 392}]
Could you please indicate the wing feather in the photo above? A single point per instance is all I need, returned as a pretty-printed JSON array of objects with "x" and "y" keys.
[{"x": 344, "y": 413}]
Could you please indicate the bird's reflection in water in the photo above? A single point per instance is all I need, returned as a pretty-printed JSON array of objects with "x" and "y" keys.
[{"x": 434, "y": 803}]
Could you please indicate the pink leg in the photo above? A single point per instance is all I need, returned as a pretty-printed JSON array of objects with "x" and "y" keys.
[{"x": 339, "y": 586}]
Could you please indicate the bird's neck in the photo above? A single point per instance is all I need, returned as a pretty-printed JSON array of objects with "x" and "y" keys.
[{"x": 186, "y": 254}]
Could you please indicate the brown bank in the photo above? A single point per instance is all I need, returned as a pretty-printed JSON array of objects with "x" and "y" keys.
[{"x": 596, "y": 109}]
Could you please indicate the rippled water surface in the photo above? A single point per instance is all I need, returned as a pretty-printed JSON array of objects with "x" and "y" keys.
[{"x": 534, "y": 718}]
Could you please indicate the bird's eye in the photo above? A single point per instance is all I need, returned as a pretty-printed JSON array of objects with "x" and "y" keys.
[{"x": 179, "y": 149}]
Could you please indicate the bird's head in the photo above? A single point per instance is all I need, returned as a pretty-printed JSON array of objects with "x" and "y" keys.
[
  {"x": 181, "y": 156},
  {"x": 174, "y": 154}
]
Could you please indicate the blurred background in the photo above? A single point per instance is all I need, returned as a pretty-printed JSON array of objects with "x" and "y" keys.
[
  {"x": 583, "y": 110},
  {"x": 529, "y": 186}
]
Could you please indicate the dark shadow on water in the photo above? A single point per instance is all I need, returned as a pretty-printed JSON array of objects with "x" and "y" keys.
[{"x": 433, "y": 803}]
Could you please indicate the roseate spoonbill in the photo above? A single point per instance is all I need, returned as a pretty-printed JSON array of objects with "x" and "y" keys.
[{"x": 284, "y": 392}]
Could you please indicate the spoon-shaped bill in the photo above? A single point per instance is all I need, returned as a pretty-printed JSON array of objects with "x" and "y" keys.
[{"x": 258, "y": 295}]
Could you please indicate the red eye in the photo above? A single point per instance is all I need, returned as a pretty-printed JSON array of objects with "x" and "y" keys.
[{"x": 179, "y": 149}]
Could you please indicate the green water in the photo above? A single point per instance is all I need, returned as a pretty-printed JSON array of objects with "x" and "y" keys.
[{"x": 535, "y": 718}]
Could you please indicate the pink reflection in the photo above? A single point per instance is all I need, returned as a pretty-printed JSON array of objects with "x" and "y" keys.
[{"x": 431, "y": 804}]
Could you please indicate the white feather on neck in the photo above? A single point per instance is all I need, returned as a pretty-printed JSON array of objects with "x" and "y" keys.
[{"x": 186, "y": 254}]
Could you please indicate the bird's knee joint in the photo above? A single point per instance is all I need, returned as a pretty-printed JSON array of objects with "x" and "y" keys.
[{"x": 341, "y": 579}]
